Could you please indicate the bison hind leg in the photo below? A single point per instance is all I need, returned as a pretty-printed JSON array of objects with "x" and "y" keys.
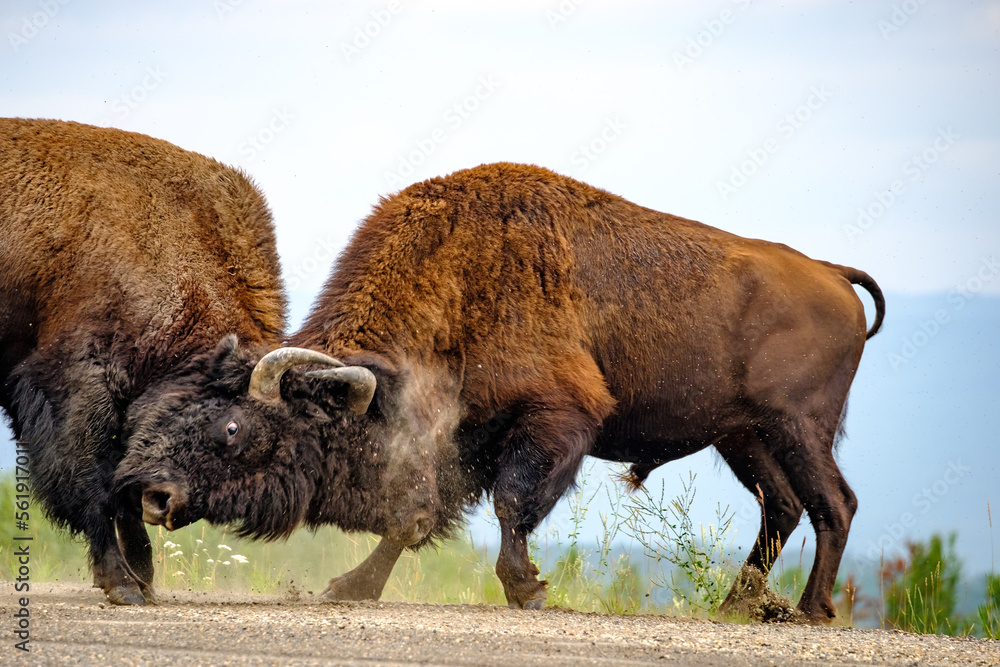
[
  {"x": 803, "y": 448},
  {"x": 758, "y": 471}
]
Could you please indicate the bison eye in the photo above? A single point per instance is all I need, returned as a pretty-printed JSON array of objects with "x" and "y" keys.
[{"x": 231, "y": 430}]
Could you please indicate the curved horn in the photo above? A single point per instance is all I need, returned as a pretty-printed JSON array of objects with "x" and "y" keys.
[
  {"x": 361, "y": 383},
  {"x": 265, "y": 381}
]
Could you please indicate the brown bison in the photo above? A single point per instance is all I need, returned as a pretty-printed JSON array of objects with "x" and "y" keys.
[
  {"x": 124, "y": 260},
  {"x": 487, "y": 330}
]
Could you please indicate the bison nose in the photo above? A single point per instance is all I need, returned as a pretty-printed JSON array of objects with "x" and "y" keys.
[{"x": 162, "y": 504}]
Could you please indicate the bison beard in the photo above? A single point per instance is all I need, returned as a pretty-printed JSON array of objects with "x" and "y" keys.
[
  {"x": 516, "y": 321},
  {"x": 123, "y": 259}
]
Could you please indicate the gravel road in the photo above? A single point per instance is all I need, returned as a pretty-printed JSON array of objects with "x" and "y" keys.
[{"x": 71, "y": 624}]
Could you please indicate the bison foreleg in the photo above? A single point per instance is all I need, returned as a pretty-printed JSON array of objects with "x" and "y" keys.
[
  {"x": 74, "y": 445},
  {"x": 517, "y": 573},
  {"x": 137, "y": 549},
  {"x": 540, "y": 456},
  {"x": 366, "y": 581},
  {"x": 111, "y": 573}
]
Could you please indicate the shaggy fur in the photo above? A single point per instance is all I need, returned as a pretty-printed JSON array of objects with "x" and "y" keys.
[
  {"x": 518, "y": 320},
  {"x": 121, "y": 257}
]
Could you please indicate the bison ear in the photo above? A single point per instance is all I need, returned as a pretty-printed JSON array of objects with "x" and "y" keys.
[
  {"x": 227, "y": 345},
  {"x": 313, "y": 411},
  {"x": 385, "y": 372},
  {"x": 231, "y": 366}
]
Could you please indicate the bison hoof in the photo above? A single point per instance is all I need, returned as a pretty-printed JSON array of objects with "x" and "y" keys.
[
  {"x": 535, "y": 603},
  {"x": 345, "y": 589},
  {"x": 126, "y": 595},
  {"x": 813, "y": 616},
  {"x": 147, "y": 592},
  {"x": 528, "y": 593},
  {"x": 530, "y": 604}
]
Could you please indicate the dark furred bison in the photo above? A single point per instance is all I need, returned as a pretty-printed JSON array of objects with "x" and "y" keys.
[
  {"x": 578, "y": 321},
  {"x": 124, "y": 261}
]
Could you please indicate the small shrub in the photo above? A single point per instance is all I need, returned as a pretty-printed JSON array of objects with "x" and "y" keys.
[{"x": 921, "y": 590}]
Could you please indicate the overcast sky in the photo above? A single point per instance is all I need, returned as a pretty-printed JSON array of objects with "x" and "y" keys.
[{"x": 865, "y": 133}]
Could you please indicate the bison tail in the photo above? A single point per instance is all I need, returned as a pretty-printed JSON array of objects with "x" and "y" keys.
[
  {"x": 861, "y": 278},
  {"x": 857, "y": 277}
]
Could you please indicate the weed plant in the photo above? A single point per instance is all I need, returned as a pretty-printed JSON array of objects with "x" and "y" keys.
[{"x": 703, "y": 569}]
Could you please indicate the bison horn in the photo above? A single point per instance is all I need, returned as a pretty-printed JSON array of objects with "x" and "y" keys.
[
  {"x": 360, "y": 380},
  {"x": 265, "y": 381}
]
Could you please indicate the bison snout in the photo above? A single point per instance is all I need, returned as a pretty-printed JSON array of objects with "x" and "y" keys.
[{"x": 163, "y": 505}]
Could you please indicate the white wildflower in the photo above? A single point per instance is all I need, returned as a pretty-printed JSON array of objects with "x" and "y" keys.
[
  {"x": 227, "y": 548},
  {"x": 169, "y": 545},
  {"x": 176, "y": 554},
  {"x": 240, "y": 559}
]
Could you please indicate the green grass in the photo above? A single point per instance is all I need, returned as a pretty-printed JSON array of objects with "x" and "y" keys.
[
  {"x": 54, "y": 556},
  {"x": 593, "y": 578},
  {"x": 988, "y": 613},
  {"x": 203, "y": 557}
]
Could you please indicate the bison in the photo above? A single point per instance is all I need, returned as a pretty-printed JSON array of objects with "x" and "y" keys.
[
  {"x": 124, "y": 260},
  {"x": 481, "y": 334}
]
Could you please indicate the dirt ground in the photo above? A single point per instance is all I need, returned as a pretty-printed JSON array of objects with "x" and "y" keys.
[{"x": 71, "y": 624}]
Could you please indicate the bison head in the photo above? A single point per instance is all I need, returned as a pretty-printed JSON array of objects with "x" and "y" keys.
[{"x": 270, "y": 442}]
